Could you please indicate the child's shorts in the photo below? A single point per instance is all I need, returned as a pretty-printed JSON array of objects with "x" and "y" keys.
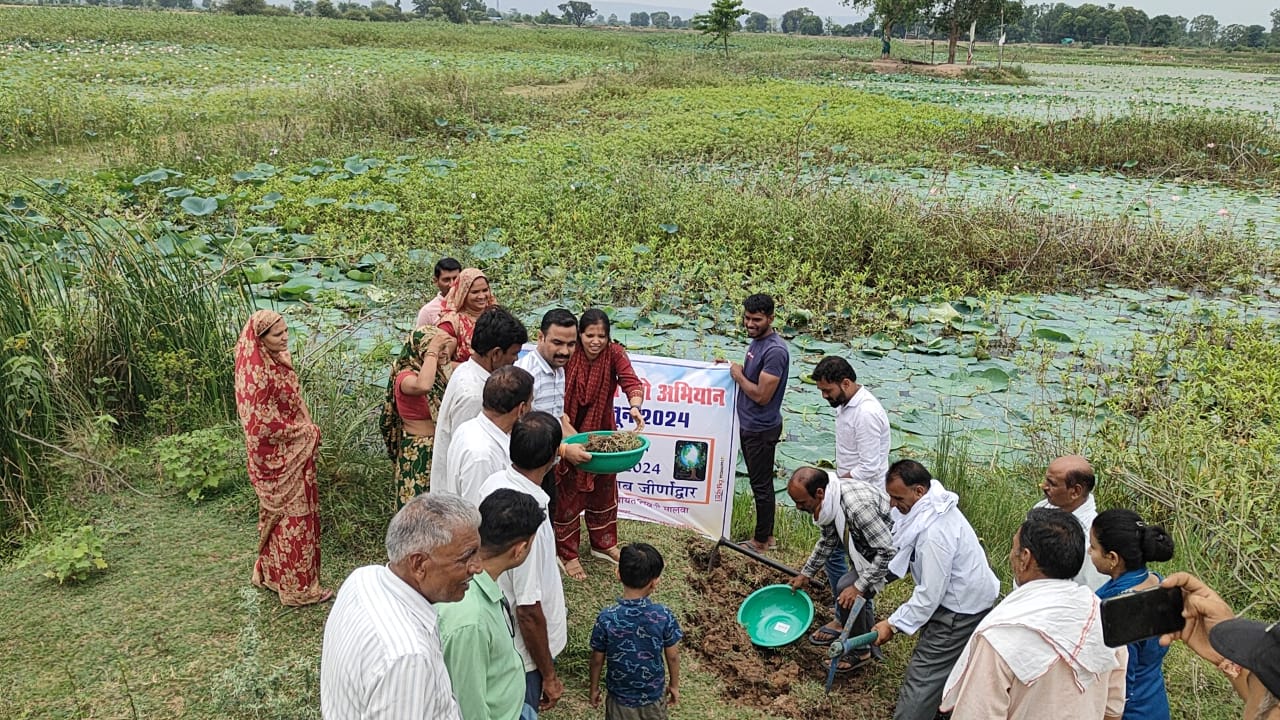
[{"x": 617, "y": 711}]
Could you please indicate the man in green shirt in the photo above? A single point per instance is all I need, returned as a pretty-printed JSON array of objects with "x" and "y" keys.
[{"x": 478, "y": 632}]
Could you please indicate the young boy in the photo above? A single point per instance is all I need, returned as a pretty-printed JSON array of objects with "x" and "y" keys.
[{"x": 635, "y": 635}]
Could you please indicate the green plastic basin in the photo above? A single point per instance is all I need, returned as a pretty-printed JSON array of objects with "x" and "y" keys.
[
  {"x": 608, "y": 463},
  {"x": 775, "y": 615}
]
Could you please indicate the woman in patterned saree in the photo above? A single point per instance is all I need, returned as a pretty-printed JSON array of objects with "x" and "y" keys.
[
  {"x": 591, "y": 378},
  {"x": 468, "y": 297},
  {"x": 418, "y": 378},
  {"x": 282, "y": 443}
]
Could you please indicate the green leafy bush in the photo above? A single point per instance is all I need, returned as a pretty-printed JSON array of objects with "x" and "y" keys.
[
  {"x": 198, "y": 462},
  {"x": 73, "y": 555}
]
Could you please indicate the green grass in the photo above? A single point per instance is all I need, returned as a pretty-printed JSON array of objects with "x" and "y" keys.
[
  {"x": 338, "y": 155},
  {"x": 173, "y": 627}
]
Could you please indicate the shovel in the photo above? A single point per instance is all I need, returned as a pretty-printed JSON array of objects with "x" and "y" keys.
[
  {"x": 763, "y": 560},
  {"x": 845, "y": 645}
]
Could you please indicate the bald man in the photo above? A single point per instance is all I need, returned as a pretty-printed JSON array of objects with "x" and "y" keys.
[{"x": 1068, "y": 485}]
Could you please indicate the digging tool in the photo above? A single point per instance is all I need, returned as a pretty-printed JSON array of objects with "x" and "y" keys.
[
  {"x": 845, "y": 644},
  {"x": 767, "y": 561}
]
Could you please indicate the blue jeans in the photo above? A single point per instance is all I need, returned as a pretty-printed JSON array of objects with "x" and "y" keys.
[
  {"x": 533, "y": 688},
  {"x": 836, "y": 567}
]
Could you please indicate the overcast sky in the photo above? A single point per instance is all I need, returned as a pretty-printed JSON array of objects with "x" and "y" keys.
[{"x": 1244, "y": 12}]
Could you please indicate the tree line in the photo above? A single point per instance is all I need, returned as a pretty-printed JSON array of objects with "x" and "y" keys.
[{"x": 936, "y": 19}]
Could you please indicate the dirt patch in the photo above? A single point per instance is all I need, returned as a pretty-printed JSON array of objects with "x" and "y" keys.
[
  {"x": 786, "y": 682},
  {"x": 545, "y": 91},
  {"x": 892, "y": 67}
]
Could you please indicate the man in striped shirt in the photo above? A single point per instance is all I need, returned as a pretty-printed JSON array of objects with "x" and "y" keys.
[{"x": 381, "y": 656}]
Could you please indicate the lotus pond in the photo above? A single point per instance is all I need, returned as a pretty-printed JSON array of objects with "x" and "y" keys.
[{"x": 1063, "y": 91}]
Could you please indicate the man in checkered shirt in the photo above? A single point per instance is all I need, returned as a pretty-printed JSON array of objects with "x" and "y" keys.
[{"x": 854, "y": 517}]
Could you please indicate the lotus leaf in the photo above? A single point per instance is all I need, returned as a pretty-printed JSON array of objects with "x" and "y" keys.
[{"x": 199, "y": 206}]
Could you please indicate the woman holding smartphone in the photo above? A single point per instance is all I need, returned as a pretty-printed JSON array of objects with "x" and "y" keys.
[{"x": 1120, "y": 546}]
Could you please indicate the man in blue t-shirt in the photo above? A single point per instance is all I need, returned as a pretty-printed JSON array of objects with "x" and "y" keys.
[{"x": 761, "y": 380}]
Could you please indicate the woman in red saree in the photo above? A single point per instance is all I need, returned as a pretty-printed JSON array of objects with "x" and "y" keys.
[
  {"x": 282, "y": 443},
  {"x": 592, "y": 376},
  {"x": 468, "y": 297}
]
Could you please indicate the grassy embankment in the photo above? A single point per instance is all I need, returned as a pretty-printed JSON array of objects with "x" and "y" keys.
[{"x": 574, "y": 193}]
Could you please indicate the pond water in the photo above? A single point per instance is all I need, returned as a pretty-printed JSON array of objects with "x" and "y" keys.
[
  {"x": 1063, "y": 91},
  {"x": 1045, "y": 352}
]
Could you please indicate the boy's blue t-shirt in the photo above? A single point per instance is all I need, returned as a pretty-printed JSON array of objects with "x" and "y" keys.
[{"x": 632, "y": 635}]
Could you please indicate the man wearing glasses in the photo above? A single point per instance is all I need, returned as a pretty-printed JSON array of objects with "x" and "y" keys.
[{"x": 478, "y": 633}]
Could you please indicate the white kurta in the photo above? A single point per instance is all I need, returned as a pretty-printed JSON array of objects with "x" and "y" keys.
[
  {"x": 463, "y": 399},
  {"x": 537, "y": 579},
  {"x": 479, "y": 450}
]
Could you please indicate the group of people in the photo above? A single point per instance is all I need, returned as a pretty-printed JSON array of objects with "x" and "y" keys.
[
  {"x": 1040, "y": 647},
  {"x": 468, "y": 616},
  {"x": 446, "y": 430}
]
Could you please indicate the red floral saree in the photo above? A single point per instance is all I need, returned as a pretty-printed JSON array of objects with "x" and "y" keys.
[{"x": 282, "y": 443}]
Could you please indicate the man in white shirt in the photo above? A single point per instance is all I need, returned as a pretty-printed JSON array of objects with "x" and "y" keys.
[
  {"x": 535, "y": 588},
  {"x": 862, "y": 442},
  {"x": 1040, "y": 652},
  {"x": 446, "y": 271},
  {"x": 381, "y": 657},
  {"x": 1068, "y": 485},
  {"x": 481, "y": 446},
  {"x": 496, "y": 343},
  {"x": 557, "y": 341},
  {"x": 954, "y": 586}
]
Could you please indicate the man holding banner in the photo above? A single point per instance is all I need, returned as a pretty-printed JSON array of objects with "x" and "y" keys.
[{"x": 761, "y": 380}]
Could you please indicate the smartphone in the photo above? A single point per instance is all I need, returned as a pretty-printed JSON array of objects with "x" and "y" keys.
[{"x": 1141, "y": 615}]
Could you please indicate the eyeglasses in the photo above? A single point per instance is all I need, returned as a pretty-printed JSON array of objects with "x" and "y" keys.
[{"x": 511, "y": 621}]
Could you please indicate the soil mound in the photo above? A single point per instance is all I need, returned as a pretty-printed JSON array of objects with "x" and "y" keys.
[{"x": 788, "y": 681}]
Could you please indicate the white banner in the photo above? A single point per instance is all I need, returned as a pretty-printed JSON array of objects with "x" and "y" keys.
[{"x": 685, "y": 479}]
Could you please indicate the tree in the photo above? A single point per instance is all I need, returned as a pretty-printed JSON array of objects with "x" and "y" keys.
[
  {"x": 891, "y": 13},
  {"x": 325, "y": 9},
  {"x": 546, "y": 18},
  {"x": 613, "y": 19},
  {"x": 678, "y": 22},
  {"x": 452, "y": 10},
  {"x": 811, "y": 25},
  {"x": 1138, "y": 22},
  {"x": 791, "y": 19},
  {"x": 1275, "y": 28},
  {"x": 1231, "y": 36},
  {"x": 1163, "y": 31},
  {"x": 1255, "y": 36},
  {"x": 1204, "y": 29},
  {"x": 757, "y": 22},
  {"x": 720, "y": 22},
  {"x": 660, "y": 20},
  {"x": 639, "y": 19},
  {"x": 577, "y": 11},
  {"x": 956, "y": 16},
  {"x": 244, "y": 7},
  {"x": 383, "y": 11}
]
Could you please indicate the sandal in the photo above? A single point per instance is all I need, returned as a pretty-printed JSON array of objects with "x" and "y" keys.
[
  {"x": 851, "y": 662},
  {"x": 325, "y": 596},
  {"x": 824, "y": 636},
  {"x": 573, "y": 569},
  {"x": 612, "y": 555},
  {"x": 758, "y": 547}
]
